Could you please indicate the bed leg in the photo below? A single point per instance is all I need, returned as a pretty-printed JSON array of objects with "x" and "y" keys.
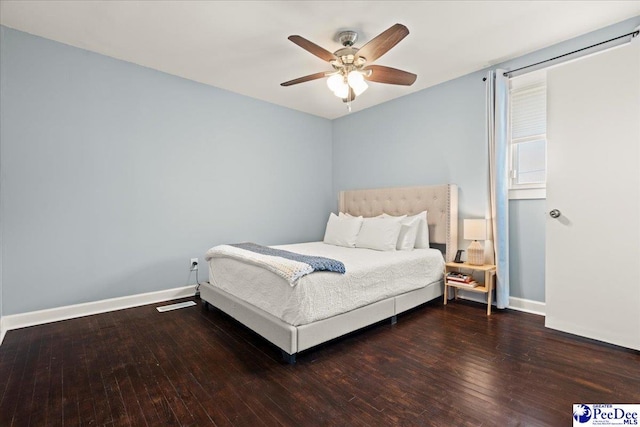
[
  {"x": 394, "y": 320},
  {"x": 205, "y": 305},
  {"x": 289, "y": 358}
]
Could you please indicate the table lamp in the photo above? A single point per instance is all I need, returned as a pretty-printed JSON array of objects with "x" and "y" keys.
[{"x": 475, "y": 229}]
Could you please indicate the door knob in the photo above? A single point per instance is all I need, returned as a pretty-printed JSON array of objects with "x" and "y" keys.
[{"x": 555, "y": 213}]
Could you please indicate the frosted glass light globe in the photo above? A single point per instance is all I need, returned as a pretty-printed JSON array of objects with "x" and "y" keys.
[
  {"x": 357, "y": 83},
  {"x": 342, "y": 91},
  {"x": 334, "y": 82}
]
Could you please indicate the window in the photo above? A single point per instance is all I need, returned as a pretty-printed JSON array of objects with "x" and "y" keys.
[{"x": 528, "y": 145}]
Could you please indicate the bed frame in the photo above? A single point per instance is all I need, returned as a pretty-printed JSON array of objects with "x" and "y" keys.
[{"x": 441, "y": 203}]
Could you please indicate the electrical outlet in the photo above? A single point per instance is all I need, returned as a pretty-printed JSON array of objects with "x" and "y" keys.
[{"x": 193, "y": 265}]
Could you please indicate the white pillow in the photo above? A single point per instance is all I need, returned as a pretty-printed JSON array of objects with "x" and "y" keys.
[
  {"x": 408, "y": 234},
  {"x": 379, "y": 233},
  {"x": 342, "y": 231},
  {"x": 422, "y": 238}
]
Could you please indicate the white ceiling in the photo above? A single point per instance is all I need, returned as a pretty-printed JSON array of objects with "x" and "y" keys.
[{"x": 242, "y": 46}]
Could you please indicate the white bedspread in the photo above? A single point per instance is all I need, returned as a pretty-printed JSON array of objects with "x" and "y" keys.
[{"x": 370, "y": 276}]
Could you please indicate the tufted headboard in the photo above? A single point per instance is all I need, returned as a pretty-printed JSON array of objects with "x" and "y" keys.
[{"x": 440, "y": 202}]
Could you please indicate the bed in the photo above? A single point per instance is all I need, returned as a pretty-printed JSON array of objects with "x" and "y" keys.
[{"x": 298, "y": 318}]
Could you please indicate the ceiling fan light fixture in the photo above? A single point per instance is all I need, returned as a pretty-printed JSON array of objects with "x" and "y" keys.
[
  {"x": 356, "y": 81},
  {"x": 354, "y": 77},
  {"x": 335, "y": 81},
  {"x": 359, "y": 88},
  {"x": 342, "y": 91}
]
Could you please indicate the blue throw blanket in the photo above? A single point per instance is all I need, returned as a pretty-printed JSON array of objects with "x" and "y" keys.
[{"x": 317, "y": 263}]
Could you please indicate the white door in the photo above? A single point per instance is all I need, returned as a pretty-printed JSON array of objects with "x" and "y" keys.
[{"x": 593, "y": 180}]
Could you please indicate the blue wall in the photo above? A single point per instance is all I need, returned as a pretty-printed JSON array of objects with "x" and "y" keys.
[
  {"x": 115, "y": 175},
  {"x": 527, "y": 222}
]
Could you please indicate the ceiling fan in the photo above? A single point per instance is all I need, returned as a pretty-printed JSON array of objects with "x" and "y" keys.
[{"x": 352, "y": 66}]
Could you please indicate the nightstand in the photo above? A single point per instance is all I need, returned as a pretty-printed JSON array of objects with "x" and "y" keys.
[{"x": 485, "y": 288}]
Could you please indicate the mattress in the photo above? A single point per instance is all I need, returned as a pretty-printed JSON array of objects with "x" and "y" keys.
[{"x": 370, "y": 276}]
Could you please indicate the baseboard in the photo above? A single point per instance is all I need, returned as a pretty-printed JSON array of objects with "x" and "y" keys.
[
  {"x": 518, "y": 304},
  {"x": 2, "y": 330},
  {"x": 527, "y": 305},
  {"x": 22, "y": 320}
]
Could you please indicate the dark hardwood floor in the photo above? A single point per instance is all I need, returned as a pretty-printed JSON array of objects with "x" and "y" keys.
[{"x": 438, "y": 366}]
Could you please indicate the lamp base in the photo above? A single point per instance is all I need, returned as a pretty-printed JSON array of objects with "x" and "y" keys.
[{"x": 475, "y": 253}]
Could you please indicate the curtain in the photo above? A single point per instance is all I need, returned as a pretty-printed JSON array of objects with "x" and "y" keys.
[{"x": 498, "y": 145}]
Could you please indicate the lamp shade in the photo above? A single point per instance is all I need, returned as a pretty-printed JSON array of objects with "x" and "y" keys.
[{"x": 475, "y": 229}]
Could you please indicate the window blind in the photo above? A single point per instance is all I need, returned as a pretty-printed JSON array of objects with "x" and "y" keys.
[{"x": 528, "y": 109}]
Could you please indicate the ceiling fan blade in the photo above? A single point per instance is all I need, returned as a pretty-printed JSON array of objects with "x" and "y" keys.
[
  {"x": 313, "y": 48},
  {"x": 304, "y": 79},
  {"x": 382, "y": 43},
  {"x": 390, "y": 75}
]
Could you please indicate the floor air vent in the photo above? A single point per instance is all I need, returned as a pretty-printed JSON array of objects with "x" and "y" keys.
[{"x": 175, "y": 306}]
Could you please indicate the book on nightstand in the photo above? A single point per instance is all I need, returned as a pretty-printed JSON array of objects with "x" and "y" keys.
[
  {"x": 471, "y": 284},
  {"x": 459, "y": 277}
]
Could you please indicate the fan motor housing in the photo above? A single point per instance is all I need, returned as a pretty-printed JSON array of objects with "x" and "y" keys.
[
  {"x": 347, "y": 38},
  {"x": 347, "y": 54}
]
